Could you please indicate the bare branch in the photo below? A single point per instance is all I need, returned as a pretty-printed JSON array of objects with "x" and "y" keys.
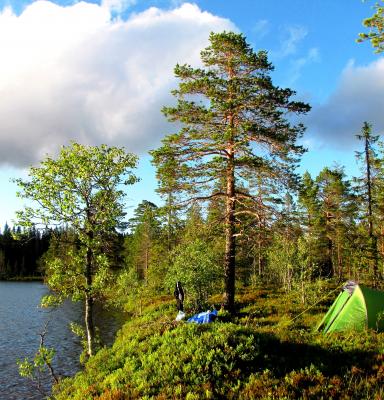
[{"x": 47, "y": 362}]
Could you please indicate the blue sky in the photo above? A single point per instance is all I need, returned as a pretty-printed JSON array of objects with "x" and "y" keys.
[{"x": 99, "y": 72}]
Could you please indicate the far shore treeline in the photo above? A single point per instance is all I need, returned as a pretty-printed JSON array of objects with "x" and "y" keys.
[
  {"x": 331, "y": 226},
  {"x": 20, "y": 251}
]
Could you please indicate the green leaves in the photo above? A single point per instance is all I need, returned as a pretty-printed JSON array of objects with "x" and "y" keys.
[
  {"x": 80, "y": 185},
  {"x": 29, "y": 369},
  {"x": 376, "y": 29},
  {"x": 51, "y": 300},
  {"x": 40, "y": 365},
  {"x": 195, "y": 265},
  {"x": 80, "y": 191}
]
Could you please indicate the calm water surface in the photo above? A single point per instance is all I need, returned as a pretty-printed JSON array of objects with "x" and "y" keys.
[{"x": 21, "y": 321}]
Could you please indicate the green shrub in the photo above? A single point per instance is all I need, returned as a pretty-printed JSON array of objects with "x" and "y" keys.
[
  {"x": 190, "y": 360},
  {"x": 258, "y": 357},
  {"x": 195, "y": 266}
]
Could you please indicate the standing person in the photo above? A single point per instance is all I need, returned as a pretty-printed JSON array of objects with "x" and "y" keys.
[{"x": 179, "y": 296}]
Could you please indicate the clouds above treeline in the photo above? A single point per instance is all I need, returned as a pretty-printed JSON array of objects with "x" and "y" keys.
[
  {"x": 81, "y": 73},
  {"x": 358, "y": 97}
]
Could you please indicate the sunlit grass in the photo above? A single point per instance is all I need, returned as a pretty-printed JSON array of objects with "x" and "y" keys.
[{"x": 269, "y": 350}]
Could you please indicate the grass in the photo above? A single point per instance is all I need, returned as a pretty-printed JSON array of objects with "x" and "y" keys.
[{"x": 268, "y": 351}]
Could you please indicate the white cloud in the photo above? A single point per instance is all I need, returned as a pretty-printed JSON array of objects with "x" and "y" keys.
[
  {"x": 297, "y": 65},
  {"x": 76, "y": 73},
  {"x": 293, "y": 36},
  {"x": 358, "y": 98}
]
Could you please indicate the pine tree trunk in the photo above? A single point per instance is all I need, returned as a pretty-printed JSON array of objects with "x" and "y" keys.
[
  {"x": 329, "y": 261},
  {"x": 169, "y": 223},
  {"x": 339, "y": 262},
  {"x": 229, "y": 258},
  {"x": 260, "y": 258},
  {"x": 146, "y": 262}
]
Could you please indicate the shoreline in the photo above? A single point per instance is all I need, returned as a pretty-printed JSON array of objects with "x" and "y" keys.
[{"x": 23, "y": 279}]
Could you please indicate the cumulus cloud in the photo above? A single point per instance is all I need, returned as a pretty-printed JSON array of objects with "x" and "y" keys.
[
  {"x": 77, "y": 73},
  {"x": 358, "y": 98}
]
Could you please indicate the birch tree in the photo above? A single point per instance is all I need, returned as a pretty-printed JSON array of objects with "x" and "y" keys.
[{"x": 80, "y": 190}]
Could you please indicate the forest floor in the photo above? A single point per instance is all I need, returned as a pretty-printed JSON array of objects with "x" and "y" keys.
[{"x": 270, "y": 350}]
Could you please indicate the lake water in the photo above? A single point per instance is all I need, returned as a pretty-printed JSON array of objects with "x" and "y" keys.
[{"x": 21, "y": 321}]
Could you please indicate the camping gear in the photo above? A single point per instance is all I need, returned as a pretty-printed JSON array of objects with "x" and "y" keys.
[
  {"x": 204, "y": 317},
  {"x": 356, "y": 308},
  {"x": 180, "y": 316}
]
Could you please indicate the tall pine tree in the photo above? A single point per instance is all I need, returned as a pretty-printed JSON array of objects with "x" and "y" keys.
[{"x": 234, "y": 122}]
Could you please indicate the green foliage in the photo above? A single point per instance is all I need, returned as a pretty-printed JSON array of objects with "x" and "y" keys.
[
  {"x": 40, "y": 367},
  {"x": 145, "y": 248},
  {"x": 194, "y": 360},
  {"x": 195, "y": 265},
  {"x": 78, "y": 188},
  {"x": 375, "y": 23},
  {"x": 328, "y": 221},
  {"x": 36, "y": 367},
  {"x": 368, "y": 188},
  {"x": 80, "y": 191},
  {"x": 51, "y": 300},
  {"x": 254, "y": 357},
  {"x": 128, "y": 292},
  {"x": 78, "y": 331},
  {"x": 282, "y": 260},
  {"x": 20, "y": 250}
]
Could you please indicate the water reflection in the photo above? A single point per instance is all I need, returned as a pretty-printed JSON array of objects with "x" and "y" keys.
[{"x": 21, "y": 321}]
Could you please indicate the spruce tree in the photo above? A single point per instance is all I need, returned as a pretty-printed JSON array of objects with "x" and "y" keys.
[
  {"x": 367, "y": 190},
  {"x": 145, "y": 226},
  {"x": 337, "y": 212}
]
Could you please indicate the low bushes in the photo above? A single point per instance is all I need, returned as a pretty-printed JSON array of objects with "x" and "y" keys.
[{"x": 252, "y": 357}]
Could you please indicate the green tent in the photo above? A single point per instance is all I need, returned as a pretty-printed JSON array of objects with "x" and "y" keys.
[{"x": 356, "y": 308}]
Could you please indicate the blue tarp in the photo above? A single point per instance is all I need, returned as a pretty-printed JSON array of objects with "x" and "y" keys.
[{"x": 203, "y": 317}]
